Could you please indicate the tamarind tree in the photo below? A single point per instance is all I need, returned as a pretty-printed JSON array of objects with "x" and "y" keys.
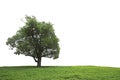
[{"x": 35, "y": 39}]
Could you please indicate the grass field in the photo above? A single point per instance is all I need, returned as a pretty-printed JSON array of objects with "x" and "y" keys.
[{"x": 59, "y": 73}]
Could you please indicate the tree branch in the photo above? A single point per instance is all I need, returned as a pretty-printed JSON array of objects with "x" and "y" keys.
[{"x": 35, "y": 59}]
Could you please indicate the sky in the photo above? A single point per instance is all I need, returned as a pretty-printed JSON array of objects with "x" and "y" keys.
[{"x": 89, "y": 30}]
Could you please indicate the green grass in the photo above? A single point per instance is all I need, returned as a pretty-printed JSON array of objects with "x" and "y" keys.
[{"x": 59, "y": 73}]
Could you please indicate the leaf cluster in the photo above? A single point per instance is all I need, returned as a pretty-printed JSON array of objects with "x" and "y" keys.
[{"x": 35, "y": 39}]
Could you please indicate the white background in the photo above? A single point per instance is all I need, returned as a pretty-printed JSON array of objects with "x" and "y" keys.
[{"x": 89, "y": 30}]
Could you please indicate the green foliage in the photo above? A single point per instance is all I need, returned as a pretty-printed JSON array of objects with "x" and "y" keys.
[
  {"x": 35, "y": 39},
  {"x": 60, "y": 73}
]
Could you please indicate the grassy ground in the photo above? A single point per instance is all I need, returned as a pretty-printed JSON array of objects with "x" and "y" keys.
[{"x": 60, "y": 73}]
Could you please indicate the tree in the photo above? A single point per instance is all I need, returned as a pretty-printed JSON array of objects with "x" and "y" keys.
[{"x": 35, "y": 39}]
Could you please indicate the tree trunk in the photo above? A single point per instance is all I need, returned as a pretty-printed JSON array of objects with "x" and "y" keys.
[{"x": 39, "y": 62}]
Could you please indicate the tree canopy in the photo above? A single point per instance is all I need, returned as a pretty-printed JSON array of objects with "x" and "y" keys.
[{"x": 35, "y": 39}]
